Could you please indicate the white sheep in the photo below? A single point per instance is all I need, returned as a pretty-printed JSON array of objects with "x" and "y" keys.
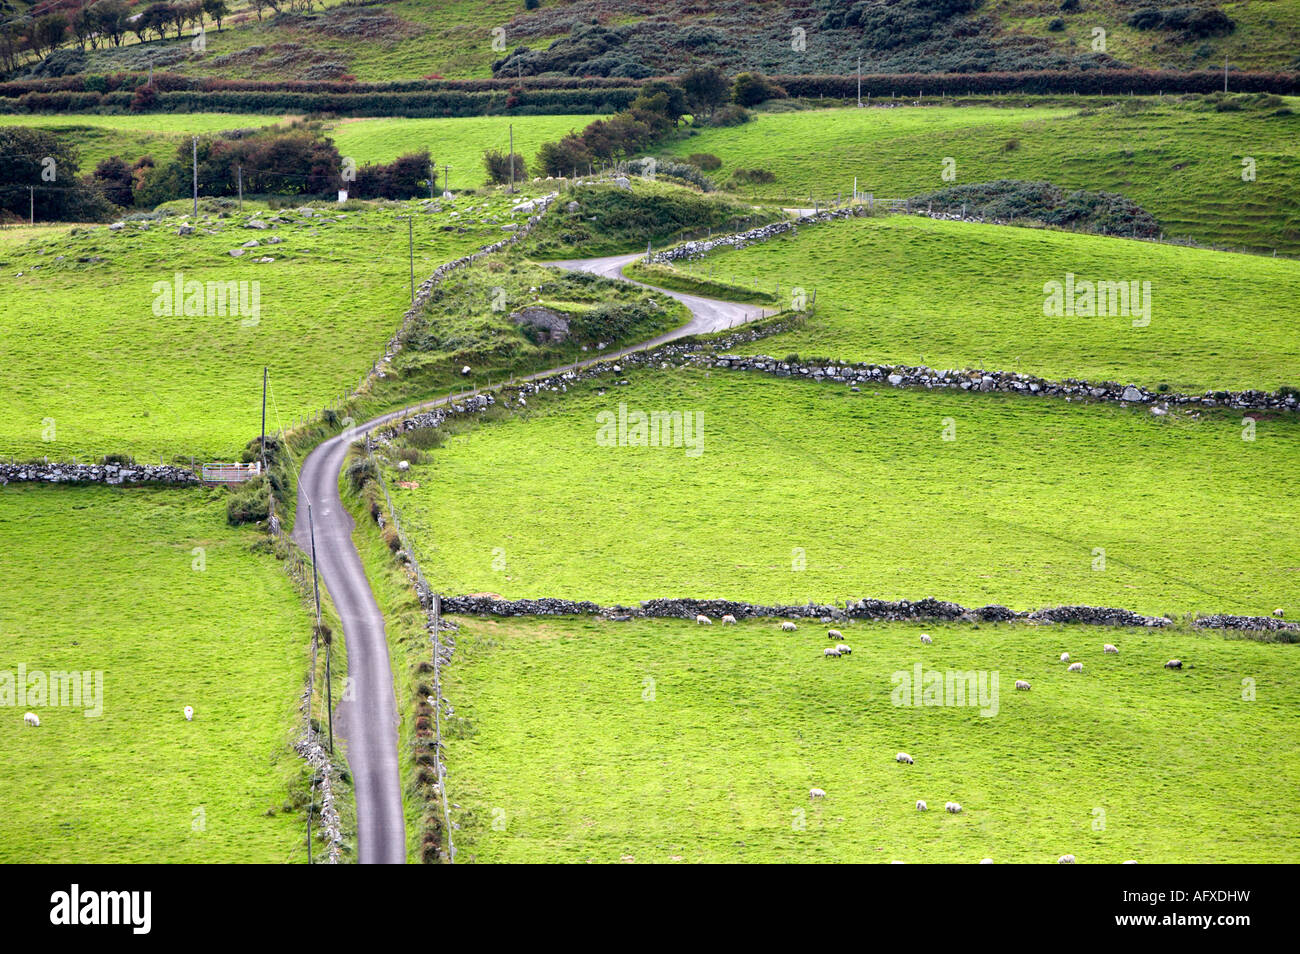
[
  {"x": 986, "y": 861},
  {"x": 1129, "y": 862},
  {"x": 1022, "y": 684},
  {"x": 844, "y": 648},
  {"x": 31, "y": 718},
  {"x": 703, "y": 620},
  {"x": 920, "y": 805},
  {"x": 925, "y": 639},
  {"x": 904, "y": 758},
  {"x": 834, "y": 634},
  {"x": 1279, "y": 614},
  {"x": 189, "y": 713},
  {"x": 952, "y": 808},
  {"x": 1108, "y": 648},
  {"x": 729, "y": 619},
  {"x": 830, "y": 652},
  {"x": 1174, "y": 664},
  {"x": 1065, "y": 860},
  {"x": 816, "y": 793},
  {"x": 788, "y": 627},
  {"x": 1074, "y": 667},
  {"x": 1065, "y": 657}
]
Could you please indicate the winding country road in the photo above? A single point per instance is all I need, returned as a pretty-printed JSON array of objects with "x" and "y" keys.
[{"x": 368, "y": 721}]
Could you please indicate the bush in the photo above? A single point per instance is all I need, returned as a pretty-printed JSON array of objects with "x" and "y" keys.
[
  {"x": 729, "y": 115},
  {"x": 360, "y": 472},
  {"x": 750, "y": 89},
  {"x": 704, "y": 160},
  {"x": 1056, "y": 24},
  {"x": 406, "y": 177},
  {"x": 497, "y": 164},
  {"x": 752, "y": 176},
  {"x": 249, "y": 504}
]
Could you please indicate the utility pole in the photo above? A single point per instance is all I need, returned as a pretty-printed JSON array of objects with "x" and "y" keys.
[
  {"x": 1225, "y": 74},
  {"x": 264, "y": 419},
  {"x": 446, "y": 177},
  {"x": 31, "y": 197},
  {"x": 859, "y": 79},
  {"x": 433, "y": 174},
  {"x": 239, "y": 171},
  {"x": 194, "y": 142},
  {"x": 512, "y": 158},
  {"x": 410, "y": 249}
]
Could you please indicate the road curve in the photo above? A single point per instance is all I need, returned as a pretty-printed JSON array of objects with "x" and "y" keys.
[{"x": 368, "y": 721}]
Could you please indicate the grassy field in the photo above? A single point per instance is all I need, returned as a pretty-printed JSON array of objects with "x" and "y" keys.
[
  {"x": 131, "y": 136},
  {"x": 658, "y": 741},
  {"x": 458, "y": 142},
  {"x": 1183, "y": 164},
  {"x": 957, "y": 295},
  {"x": 805, "y": 491},
  {"x": 154, "y": 590},
  {"x": 93, "y": 368}
]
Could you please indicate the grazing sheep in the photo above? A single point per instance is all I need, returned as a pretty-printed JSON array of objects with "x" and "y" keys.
[
  {"x": 844, "y": 648},
  {"x": 834, "y": 634},
  {"x": 904, "y": 758},
  {"x": 1174, "y": 664},
  {"x": 1065, "y": 860},
  {"x": 952, "y": 808},
  {"x": 816, "y": 793},
  {"x": 729, "y": 619},
  {"x": 1074, "y": 667},
  {"x": 830, "y": 652},
  {"x": 788, "y": 627},
  {"x": 921, "y": 805},
  {"x": 703, "y": 621},
  {"x": 189, "y": 713},
  {"x": 986, "y": 861},
  {"x": 898, "y": 862},
  {"x": 1129, "y": 862},
  {"x": 31, "y": 718},
  {"x": 1108, "y": 648},
  {"x": 1065, "y": 657},
  {"x": 1021, "y": 684},
  {"x": 925, "y": 639},
  {"x": 1279, "y": 614}
]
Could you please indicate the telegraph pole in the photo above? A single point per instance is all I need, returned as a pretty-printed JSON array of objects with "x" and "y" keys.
[
  {"x": 410, "y": 249},
  {"x": 263, "y": 419},
  {"x": 31, "y": 197},
  {"x": 512, "y": 157},
  {"x": 859, "y": 79},
  {"x": 194, "y": 142},
  {"x": 433, "y": 174},
  {"x": 1225, "y": 74},
  {"x": 240, "y": 174}
]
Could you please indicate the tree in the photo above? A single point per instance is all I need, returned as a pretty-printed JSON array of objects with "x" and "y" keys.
[
  {"x": 114, "y": 177},
  {"x": 663, "y": 97},
  {"x": 498, "y": 166},
  {"x": 750, "y": 89},
  {"x": 706, "y": 88},
  {"x": 563, "y": 157},
  {"x": 25, "y": 156},
  {"x": 110, "y": 18},
  {"x": 49, "y": 32},
  {"x": 216, "y": 10}
]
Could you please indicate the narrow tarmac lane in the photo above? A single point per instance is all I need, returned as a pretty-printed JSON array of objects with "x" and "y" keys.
[{"x": 368, "y": 721}]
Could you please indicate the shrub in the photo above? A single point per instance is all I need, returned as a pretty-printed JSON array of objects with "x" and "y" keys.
[
  {"x": 404, "y": 178},
  {"x": 1056, "y": 24},
  {"x": 497, "y": 164},
  {"x": 750, "y": 89},
  {"x": 729, "y": 115},
  {"x": 249, "y": 504},
  {"x": 752, "y": 176},
  {"x": 704, "y": 160},
  {"x": 360, "y": 472}
]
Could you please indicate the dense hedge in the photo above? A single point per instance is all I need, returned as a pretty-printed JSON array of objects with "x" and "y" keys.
[
  {"x": 447, "y": 103},
  {"x": 1085, "y": 82},
  {"x": 573, "y": 94}
]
